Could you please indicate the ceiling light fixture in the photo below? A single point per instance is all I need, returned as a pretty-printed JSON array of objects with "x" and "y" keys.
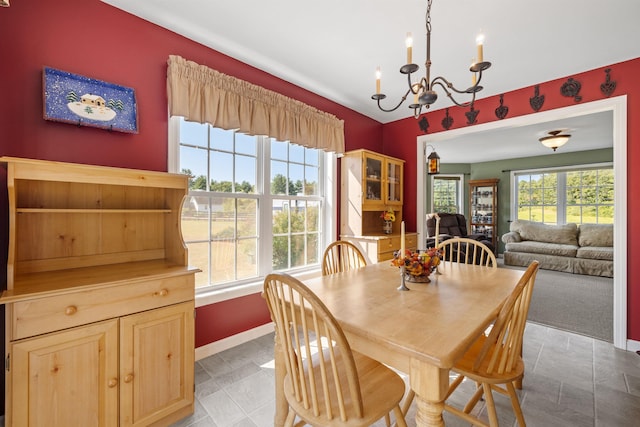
[
  {"x": 423, "y": 93},
  {"x": 433, "y": 162},
  {"x": 554, "y": 140}
]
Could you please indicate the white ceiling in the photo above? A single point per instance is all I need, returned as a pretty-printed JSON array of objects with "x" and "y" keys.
[
  {"x": 332, "y": 47},
  {"x": 588, "y": 132}
]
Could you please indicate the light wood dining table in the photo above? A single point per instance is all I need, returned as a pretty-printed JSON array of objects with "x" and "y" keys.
[{"x": 421, "y": 332}]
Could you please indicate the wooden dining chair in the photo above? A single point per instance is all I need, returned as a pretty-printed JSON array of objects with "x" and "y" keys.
[
  {"x": 341, "y": 255},
  {"x": 495, "y": 362},
  {"x": 326, "y": 383},
  {"x": 467, "y": 251}
]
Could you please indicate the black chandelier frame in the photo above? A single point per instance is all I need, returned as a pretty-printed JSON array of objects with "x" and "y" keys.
[{"x": 425, "y": 87}]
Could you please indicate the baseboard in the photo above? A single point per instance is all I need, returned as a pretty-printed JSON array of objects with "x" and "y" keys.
[
  {"x": 232, "y": 341},
  {"x": 633, "y": 345}
]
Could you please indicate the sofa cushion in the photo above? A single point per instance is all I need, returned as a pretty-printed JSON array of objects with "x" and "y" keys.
[
  {"x": 549, "y": 262},
  {"x": 593, "y": 267},
  {"x": 596, "y": 252},
  {"x": 533, "y": 247},
  {"x": 566, "y": 234},
  {"x": 511, "y": 237},
  {"x": 596, "y": 235}
]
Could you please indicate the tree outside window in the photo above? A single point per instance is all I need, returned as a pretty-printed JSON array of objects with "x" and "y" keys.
[
  {"x": 578, "y": 196},
  {"x": 233, "y": 179}
]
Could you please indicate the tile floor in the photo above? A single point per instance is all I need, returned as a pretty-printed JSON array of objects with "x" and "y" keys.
[{"x": 570, "y": 380}]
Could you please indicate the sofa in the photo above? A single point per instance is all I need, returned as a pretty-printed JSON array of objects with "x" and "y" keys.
[
  {"x": 452, "y": 225},
  {"x": 585, "y": 249}
]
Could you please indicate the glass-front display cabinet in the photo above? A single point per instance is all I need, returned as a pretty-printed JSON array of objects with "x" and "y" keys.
[
  {"x": 483, "y": 205},
  {"x": 371, "y": 184}
]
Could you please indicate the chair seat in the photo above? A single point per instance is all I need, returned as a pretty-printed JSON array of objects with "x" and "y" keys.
[
  {"x": 383, "y": 387},
  {"x": 464, "y": 366}
]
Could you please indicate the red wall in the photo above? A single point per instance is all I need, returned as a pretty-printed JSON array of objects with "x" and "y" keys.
[
  {"x": 399, "y": 140},
  {"x": 90, "y": 38}
]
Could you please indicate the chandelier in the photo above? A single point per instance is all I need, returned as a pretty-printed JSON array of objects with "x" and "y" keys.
[{"x": 423, "y": 91}]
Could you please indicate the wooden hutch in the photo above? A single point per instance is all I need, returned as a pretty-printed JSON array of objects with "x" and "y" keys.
[
  {"x": 99, "y": 299},
  {"x": 372, "y": 183}
]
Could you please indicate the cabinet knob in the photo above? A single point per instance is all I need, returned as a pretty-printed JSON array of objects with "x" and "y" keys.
[
  {"x": 128, "y": 378},
  {"x": 163, "y": 292},
  {"x": 112, "y": 383},
  {"x": 72, "y": 309}
]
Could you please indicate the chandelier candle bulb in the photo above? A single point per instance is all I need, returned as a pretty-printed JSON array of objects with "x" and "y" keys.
[
  {"x": 473, "y": 75},
  {"x": 378, "y": 75},
  {"x": 409, "y": 43},
  {"x": 480, "y": 42}
]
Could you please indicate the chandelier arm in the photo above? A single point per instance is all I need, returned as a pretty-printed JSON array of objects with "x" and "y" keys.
[
  {"x": 404, "y": 98},
  {"x": 419, "y": 85},
  {"x": 450, "y": 95},
  {"x": 444, "y": 82}
]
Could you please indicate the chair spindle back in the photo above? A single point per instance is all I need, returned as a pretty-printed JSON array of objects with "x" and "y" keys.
[{"x": 320, "y": 365}]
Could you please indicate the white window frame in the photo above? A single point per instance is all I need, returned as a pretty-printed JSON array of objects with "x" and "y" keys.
[
  {"x": 561, "y": 196},
  {"x": 212, "y": 294},
  {"x": 461, "y": 197}
]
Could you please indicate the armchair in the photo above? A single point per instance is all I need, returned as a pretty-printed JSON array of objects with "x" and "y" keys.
[{"x": 452, "y": 225}]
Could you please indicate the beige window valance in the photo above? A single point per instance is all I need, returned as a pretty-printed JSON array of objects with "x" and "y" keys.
[{"x": 204, "y": 95}]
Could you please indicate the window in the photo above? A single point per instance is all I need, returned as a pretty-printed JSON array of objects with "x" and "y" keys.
[
  {"x": 447, "y": 193},
  {"x": 255, "y": 204},
  {"x": 561, "y": 196},
  {"x": 538, "y": 197},
  {"x": 590, "y": 196},
  {"x": 296, "y": 204}
]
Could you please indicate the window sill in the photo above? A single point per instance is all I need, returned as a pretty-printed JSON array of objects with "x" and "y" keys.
[{"x": 219, "y": 295}]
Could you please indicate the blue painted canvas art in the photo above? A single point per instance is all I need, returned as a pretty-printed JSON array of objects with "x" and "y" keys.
[{"x": 83, "y": 101}]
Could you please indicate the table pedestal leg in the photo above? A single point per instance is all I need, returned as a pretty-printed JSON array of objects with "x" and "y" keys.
[
  {"x": 430, "y": 384},
  {"x": 280, "y": 371}
]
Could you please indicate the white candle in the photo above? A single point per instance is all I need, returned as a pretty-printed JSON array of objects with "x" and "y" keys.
[
  {"x": 402, "y": 249},
  {"x": 409, "y": 43},
  {"x": 473, "y": 75},
  {"x": 378, "y": 75},
  {"x": 480, "y": 42},
  {"x": 437, "y": 228}
]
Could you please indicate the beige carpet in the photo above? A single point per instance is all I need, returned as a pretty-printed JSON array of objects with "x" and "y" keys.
[{"x": 572, "y": 302}]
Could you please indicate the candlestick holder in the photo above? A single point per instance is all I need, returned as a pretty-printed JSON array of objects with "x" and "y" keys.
[
  {"x": 402, "y": 286},
  {"x": 437, "y": 270}
]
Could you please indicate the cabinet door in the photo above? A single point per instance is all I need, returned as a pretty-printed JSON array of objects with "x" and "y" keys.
[
  {"x": 156, "y": 365},
  {"x": 393, "y": 181},
  {"x": 66, "y": 378},
  {"x": 373, "y": 170}
]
